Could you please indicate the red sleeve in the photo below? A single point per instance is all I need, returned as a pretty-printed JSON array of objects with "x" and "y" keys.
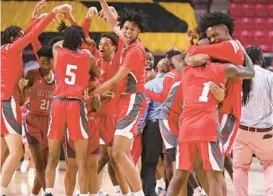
[
  {"x": 30, "y": 26},
  {"x": 21, "y": 43},
  {"x": 229, "y": 51},
  {"x": 86, "y": 26},
  {"x": 160, "y": 97},
  {"x": 133, "y": 58},
  {"x": 220, "y": 70}
]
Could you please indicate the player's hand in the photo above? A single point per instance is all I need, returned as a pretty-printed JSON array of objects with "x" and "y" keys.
[
  {"x": 101, "y": 14},
  {"x": 39, "y": 6},
  {"x": 191, "y": 36},
  {"x": 204, "y": 41},
  {"x": 90, "y": 42},
  {"x": 22, "y": 83},
  {"x": 218, "y": 92},
  {"x": 107, "y": 95},
  {"x": 95, "y": 103},
  {"x": 86, "y": 96},
  {"x": 61, "y": 9},
  {"x": 91, "y": 12}
]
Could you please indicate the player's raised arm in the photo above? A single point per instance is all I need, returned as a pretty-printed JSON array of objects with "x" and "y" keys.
[
  {"x": 112, "y": 17},
  {"x": 55, "y": 49},
  {"x": 246, "y": 72},
  {"x": 94, "y": 69}
]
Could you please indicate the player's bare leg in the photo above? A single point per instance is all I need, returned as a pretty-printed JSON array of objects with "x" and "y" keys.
[
  {"x": 215, "y": 179},
  {"x": 118, "y": 172},
  {"x": 4, "y": 150},
  {"x": 70, "y": 176},
  {"x": 92, "y": 168},
  {"x": 104, "y": 158},
  {"x": 178, "y": 182},
  {"x": 81, "y": 147},
  {"x": 54, "y": 150},
  {"x": 121, "y": 147},
  {"x": 39, "y": 157},
  {"x": 228, "y": 166},
  {"x": 201, "y": 174},
  {"x": 15, "y": 147}
]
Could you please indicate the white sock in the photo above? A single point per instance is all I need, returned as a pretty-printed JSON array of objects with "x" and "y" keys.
[
  {"x": 117, "y": 189},
  {"x": 139, "y": 193},
  {"x": 161, "y": 183},
  {"x": 3, "y": 190},
  {"x": 84, "y": 194},
  {"x": 49, "y": 190},
  {"x": 33, "y": 194}
]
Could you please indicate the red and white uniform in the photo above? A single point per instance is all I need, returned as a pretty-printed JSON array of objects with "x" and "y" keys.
[
  {"x": 199, "y": 126},
  {"x": 68, "y": 111},
  {"x": 37, "y": 118},
  {"x": 169, "y": 79},
  {"x": 230, "y": 110},
  {"x": 11, "y": 72},
  {"x": 132, "y": 103}
]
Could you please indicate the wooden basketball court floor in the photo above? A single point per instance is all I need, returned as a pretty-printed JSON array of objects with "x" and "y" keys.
[{"x": 21, "y": 183}]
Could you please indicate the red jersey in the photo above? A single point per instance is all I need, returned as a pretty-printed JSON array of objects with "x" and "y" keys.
[
  {"x": 169, "y": 79},
  {"x": 41, "y": 93},
  {"x": 11, "y": 58},
  {"x": 108, "y": 70},
  {"x": 232, "y": 52},
  {"x": 71, "y": 73},
  {"x": 133, "y": 57},
  {"x": 199, "y": 117}
]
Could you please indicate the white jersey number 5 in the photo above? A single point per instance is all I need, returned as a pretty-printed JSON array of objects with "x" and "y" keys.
[{"x": 71, "y": 79}]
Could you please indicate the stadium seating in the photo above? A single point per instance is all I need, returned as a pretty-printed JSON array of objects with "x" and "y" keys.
[{"x": 253, "y": 22}]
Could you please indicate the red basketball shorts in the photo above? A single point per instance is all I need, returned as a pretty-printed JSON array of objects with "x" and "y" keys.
[
  {"x": 230, "y": 125},
  {"x": 36, "y": 127},
  {"x": 130, "y": 109},
  {"x": 105, "y": 126},
  {"x": 11, "y": 119},
  {"x": 68, "y": 114},
  {"x": 93, "y": 142},
  {"x": 210, "y": 153}
]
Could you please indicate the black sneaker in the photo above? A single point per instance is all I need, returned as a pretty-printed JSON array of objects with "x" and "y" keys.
[{"x": 48, "y": 194}]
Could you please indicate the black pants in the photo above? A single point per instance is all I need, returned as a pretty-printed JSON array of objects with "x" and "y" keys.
[{"x": 151, "y": 150}]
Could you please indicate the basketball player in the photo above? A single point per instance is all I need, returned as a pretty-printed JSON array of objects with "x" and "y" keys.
[
  {"x": 39, "y": 90},
  {"x": 130, "y": 80},
  {"x": 198, "y": 124},
  {"x": 14, "y": 42},
  {"x": 72, "y": 67}
]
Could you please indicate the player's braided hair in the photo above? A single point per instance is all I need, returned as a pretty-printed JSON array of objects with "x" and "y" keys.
[
  {"x": 132, "y": 15},
  {"x": 11, "y": 31},
  {"x": 213, "y": 19},
  {"x": 73, "y": 36}
]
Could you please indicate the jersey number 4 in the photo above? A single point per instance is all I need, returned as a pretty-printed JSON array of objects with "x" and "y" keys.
[
  {"x": 70, "y": 73},
  {"x": 205, "y": 92}
]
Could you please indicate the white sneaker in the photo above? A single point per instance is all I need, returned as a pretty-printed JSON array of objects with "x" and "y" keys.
[
  {"x": 102, "y": 193},
  {"x": 24, "y": 166}
]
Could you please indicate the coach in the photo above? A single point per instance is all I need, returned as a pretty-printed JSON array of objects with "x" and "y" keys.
[{"x": 255, "y": 135}]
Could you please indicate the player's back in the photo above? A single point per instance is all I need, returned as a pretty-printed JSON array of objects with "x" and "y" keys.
[
  {"x": 40, "y": 96},
  {"x": 71, "y": 73},
  {"x": 200, "y": 107}
]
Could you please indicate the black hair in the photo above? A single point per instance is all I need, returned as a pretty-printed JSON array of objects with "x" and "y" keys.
[
  {"x": 11, "y": 31},
  {"x": 112, "y": 36},
  {"x": 213, "y": 19},
  {"x": 132, "y": 15},
  {"x": 171, "y": 53},
  {"x": 256, "y": 55},
  {"x": 45, "y": 51},
  {"x": 55, "y": 40},
  {"x": 74, "y": 36}
]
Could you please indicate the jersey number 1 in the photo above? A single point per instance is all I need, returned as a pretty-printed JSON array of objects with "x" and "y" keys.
[
  {"x": 205, "y": 92},
  {"x": 71, "y": 79}
]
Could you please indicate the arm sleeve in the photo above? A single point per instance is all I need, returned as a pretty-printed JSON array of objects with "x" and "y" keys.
[
  {"x": 21, "y": 43},
  {"x": 229, "y": 51},
  {"x": 86, "y": 26},
  {"x": 134, "y": 55},
  {"x": 160, "y": 97},
  {"x": 30, "y": 26}
]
